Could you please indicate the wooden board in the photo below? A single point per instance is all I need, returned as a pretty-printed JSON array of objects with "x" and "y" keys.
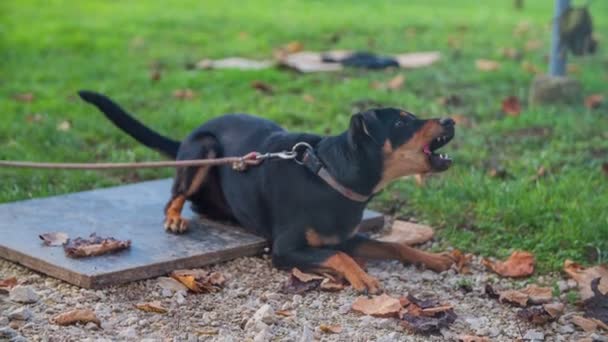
[{"x": 129, "y": 212}]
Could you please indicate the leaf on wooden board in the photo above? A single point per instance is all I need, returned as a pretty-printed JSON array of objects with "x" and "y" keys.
[{"x": 93, "y": 246}]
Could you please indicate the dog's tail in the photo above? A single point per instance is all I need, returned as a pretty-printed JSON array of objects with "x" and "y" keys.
[{"x": 130, "y": 125}]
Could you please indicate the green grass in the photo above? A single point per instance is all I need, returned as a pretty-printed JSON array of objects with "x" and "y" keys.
[{"x": 54, "y": 48}]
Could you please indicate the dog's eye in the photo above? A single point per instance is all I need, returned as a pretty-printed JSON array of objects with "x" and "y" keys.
[{"x": 399, "y": 124}]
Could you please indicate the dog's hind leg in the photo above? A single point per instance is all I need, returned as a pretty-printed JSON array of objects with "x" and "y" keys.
[
  {"x": 360, "y": 246},
  {"x": 189, "y": 180}
]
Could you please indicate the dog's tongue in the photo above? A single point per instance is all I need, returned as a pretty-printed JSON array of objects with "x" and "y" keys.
[{"x": 427, "y": 149}]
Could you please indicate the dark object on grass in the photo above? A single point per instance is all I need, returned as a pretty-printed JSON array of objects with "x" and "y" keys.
[
  {"x": 597, "y": 306},
  {"x": 93, "y": 246},
  {"x": 366, "y": 60},
  {"x": 576, "y": 31}
]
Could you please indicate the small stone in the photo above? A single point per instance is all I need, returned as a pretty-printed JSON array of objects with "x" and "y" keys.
[
  {"x": 566, "y": 329},
  {"x": 599, "y": 338},
  {"x": 91, "y": 326},
  {"x": 262, "y": 335},
  {"x": 572, "y": 283},
  {"x": 563, "y": 286},
  {"x": 166, "y": 293},
  {"x": 23, "y": 294},
  {"x": 19, "y": 338},
  {"x": 264, "y": 314},
  {"x": 534, "y": 335},
  {"x": 128, "y": 333},
  {"x": 22, "y": 313},
  {"x": 296, "y": 300},
  {"x": 344, "y": 309},
  {"x": 493, "y": 332},
  {"x": 179, "y": 298},
  {"x": 3, "y": 321},
  {"x": 476, "y": 323},
  {"x": 307, "y": 335},
  {"x": 7, "y": 333}
]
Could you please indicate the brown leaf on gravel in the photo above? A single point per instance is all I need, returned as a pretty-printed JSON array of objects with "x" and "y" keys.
[
  {"x": 472, "y": 338},
  {"x": 554, "y": 310},
  {"x": 24, "y": 97},
  {"x": 538, "y": 295},
  {"x": 462, "y": 261},
  {"x": 305, "y": 277},
  {"x": 7, "y": 284},
  {"x": 536, "y": 315},
  {"x": 588, "y": 324},
  {"x": 208, "y": 331},
  {"x": 93, "y": 246},
  {"x": 594, "y": 101},
  {"x": 76, "y": 316},
  {"x": 155, "y": 307},
  {"x": 514, "y": 297},
  {"x": 262, "y": 87},
  {"x": 487, "y": 65},
  {"x": 199, "y": 280},
  {"x": 491, "y": 292},
  {"x": 511, "y": 106},
  {"x": 183, "y": 94},
  {"x": 425, "y": 316},
  {"x": 331, "y": 285},
  {"x": 330, "y": 329},
  {"x": 54, "y": 238},
  {"x": 583, "y": 276},
  {"x": 378, "y": 306},
  {"x": 408, "y": 233},
  {"x": 64, "y": 126},
  {"x": 284, "y": 313},
  {"x": 519, "y": 264},
  {"x": 296, "y": 286},
  {"x": 396, "y": 82}
]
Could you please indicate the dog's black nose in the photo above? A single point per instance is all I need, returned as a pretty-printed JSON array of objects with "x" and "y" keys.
[{"x": 447, "y": 122}]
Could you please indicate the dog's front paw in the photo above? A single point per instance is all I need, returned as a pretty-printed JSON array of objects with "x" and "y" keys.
[
  {"x": 439, "y": 262},
  {"x": 176, "y": 224}
]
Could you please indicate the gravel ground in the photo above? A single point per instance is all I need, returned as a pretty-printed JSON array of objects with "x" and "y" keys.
[{"x": 253, "y": 285}]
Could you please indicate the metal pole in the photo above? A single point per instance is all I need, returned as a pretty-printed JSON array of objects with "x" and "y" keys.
[{"x": 557, "y": 62}]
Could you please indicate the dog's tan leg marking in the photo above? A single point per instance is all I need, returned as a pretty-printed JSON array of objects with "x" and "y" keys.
[
  {"x": 174, "y": 222},
  {"x": 374, "y": 249}
]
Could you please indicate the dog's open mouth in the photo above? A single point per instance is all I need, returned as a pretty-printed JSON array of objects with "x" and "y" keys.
[{"x": 439, "y": 161}]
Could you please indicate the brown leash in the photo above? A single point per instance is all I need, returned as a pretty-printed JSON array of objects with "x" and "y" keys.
[{"x": 309, "y": 159}]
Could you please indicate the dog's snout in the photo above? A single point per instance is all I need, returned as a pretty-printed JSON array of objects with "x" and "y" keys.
[{"x": 447, "y": 122}]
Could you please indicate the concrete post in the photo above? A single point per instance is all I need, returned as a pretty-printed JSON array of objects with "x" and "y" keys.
[{"x": 557, "y": 62}]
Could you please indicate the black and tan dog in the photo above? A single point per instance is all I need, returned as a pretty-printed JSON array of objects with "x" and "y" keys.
[{"x": 309, "y": 210}]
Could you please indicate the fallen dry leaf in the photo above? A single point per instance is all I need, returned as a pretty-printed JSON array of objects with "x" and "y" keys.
[
  {"x": 64, "y": 126},
  {"x": 24, "y": 97},
  {"x": 155, "y": 75},
  {"x": 521, "y": 28},
  {"x": 54, "y": 239},
  {"x": 511, "y": 106},
  {"x": 378, "y": 306},
  {"x": 514, "y": 297},
  {"x": 554, "y": 309},
  {"x": 583, "y": 276},
  {"x": 519, "y": 264},
  {"x": 330, "y": 329},
  {"x": 262, "y": 87},
  {"x": 510, "y": 52},
  {"x": 536, "y": 315},
  {"x": 76, "y": 316},
  {"x": 425, "y": 316},
  {"x": 538, "y": 295},
  {"x": 93, "y": 246},
  {"x": 305, "y": 277},
  {"x": 462, "y": 261},
  {"x": 416, "y": 60},
  {"x": 605, "y": 168},
  {"x": 208, "y": 331},
  {"x": 573, "y": 69},
  {"x": 472, "y": 338},
  {"x": 533, "y": 44},
  {"x": 408, "y": 233},
  {"x": 530, "y": 67},
  {"x": 183, "y": 94},
  {"x": 7, "y": 284},
  {"x": 171, "y": 284},
  {"x": 487, "y": 65},
  {"x": 594, "y": 101},
  {"x": 491, "y": 292},
  {"x": 34, "y": 118},
  {"x": 597, "y": 306},
  {"x": 588, "y": 324},
  {"x": 396, "y": 82},
  {"x": 331, "y": 285},
  {"x": 284, "y": 313},
  {"x": 155, "y": 307},
  {"x": 199, "y": 280},
  {"x": 293, "y": 47}
]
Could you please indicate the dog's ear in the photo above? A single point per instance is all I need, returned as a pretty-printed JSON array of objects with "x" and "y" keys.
[{"x": 365, "y": 126}]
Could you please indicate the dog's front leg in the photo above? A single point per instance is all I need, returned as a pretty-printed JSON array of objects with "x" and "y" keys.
[
  {"x": 367, "y": 248},
  {"x": 286, "y": 255}
]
